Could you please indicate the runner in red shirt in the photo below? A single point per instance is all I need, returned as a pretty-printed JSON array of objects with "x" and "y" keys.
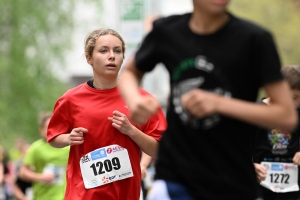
[{"x": 104, "y": 161}]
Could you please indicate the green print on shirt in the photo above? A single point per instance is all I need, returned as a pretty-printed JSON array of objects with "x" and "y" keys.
[{"x": 184, "y": 65}]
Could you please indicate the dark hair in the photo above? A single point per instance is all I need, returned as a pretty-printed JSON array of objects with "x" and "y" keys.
[{"x": 291, "y": 74}]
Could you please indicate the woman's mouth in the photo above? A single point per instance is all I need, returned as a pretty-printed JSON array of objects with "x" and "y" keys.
[{"x": 111, "y": 65}]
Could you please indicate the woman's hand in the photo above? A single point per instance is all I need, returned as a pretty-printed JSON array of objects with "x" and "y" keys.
[
  {"x": 77, "y": 136},
  {"x": 120, "y": 122}
]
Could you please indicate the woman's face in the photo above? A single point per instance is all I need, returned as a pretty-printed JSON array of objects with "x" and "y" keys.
[{"x": 107, "y": 56}]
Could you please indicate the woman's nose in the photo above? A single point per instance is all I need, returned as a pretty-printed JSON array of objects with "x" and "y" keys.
[{"x": 111, "y": 55}]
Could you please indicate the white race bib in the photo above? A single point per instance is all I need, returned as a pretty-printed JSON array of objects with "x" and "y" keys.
[
  {"x": 281, "y": 177},
  {"x": 105, "y": 165}
]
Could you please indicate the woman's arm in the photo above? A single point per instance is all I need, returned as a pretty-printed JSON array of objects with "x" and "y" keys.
[
  {"x": 144, "y": 163},
  {"x": 76, "y": 137},
  {"x": 146, "y": 143}
]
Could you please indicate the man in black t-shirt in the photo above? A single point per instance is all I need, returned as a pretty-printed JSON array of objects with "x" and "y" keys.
[
  {"x": 217, "y": 64},
  {"x": 276, "y": 153}
]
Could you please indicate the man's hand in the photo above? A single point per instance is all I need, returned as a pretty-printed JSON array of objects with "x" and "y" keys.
[
  {"x": 47, "y": 178},
  {"x": 200, "y": 103},
  {"x": 142, "y": 108}
]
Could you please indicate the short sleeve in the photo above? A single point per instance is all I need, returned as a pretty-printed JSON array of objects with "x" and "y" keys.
[
  {"x": 266, "y": 59},
  {"x": 156, "y": 125},
  {"x": 30, "y": 154},
  {"x": 147, "y": 56},
  {"x": 59, "y": 122}
]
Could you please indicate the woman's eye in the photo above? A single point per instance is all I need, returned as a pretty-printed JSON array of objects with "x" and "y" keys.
[
  {"x": 103, "y": 51},
  {"x": 118, "y": 51}
]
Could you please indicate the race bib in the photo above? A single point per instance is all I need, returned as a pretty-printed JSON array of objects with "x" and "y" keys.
[
  {"x": 58, "y": 171},
  {"x": 105, "y": 165},
  {"x": 281, "y": 177}
]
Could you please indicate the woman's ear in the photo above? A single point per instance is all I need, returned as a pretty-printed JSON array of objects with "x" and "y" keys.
[{"x": 88, "y": 59}]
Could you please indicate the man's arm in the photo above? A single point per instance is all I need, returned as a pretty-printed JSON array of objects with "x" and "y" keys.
[
  {"x": 26, "y": 173},
  {"x": 280, "y": 112},
  {"x": 141, "y": 107}
]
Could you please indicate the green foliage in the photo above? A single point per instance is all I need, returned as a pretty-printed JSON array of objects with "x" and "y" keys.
[{"x": 34, "y": 36}]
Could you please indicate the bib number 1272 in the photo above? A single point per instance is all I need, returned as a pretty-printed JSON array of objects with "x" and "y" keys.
[{"x": 279, "y": 178}]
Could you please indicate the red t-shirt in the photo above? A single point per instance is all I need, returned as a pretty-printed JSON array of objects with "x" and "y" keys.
[{"x": 90, "y": 108}]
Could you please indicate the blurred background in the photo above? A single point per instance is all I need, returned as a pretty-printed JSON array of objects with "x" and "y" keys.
[{"x": 42, "y": 48}]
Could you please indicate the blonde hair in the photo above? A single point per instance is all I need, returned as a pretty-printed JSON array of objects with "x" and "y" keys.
[{"x": 90, "y": 40}]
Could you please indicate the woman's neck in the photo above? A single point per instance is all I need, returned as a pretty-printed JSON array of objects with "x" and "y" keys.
[{"x": 104, "y": 84}]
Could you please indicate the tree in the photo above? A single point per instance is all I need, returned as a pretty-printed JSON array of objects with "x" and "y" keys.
[{"x": 34, "y": 35}]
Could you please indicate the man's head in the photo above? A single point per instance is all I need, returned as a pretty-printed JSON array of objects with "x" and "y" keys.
[
  {"x": 291, "y": 74},
  {"x": 211, "y": 7},
  {"x": 44, "y": 119}
]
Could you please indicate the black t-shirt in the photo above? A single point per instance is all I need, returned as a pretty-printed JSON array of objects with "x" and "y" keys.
[
  {"x": 210, "y": 156},
  {"x": 276, "y": 145}
]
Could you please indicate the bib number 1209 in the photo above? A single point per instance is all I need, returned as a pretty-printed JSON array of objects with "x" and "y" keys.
[
  {"x": 279, "y": 178},
  {"x": 106, "y": 166}
]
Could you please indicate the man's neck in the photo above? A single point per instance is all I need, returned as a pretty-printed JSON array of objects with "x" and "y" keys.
[{"x": 204, "y": 24}]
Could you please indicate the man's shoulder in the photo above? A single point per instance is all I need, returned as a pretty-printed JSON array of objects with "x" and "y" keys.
[
  {"x": 172, "y": 20},
  {"x": 38, "y": 143},
  {"x": 36, "y": 146},
  {"x": 247, "y": 25}
]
